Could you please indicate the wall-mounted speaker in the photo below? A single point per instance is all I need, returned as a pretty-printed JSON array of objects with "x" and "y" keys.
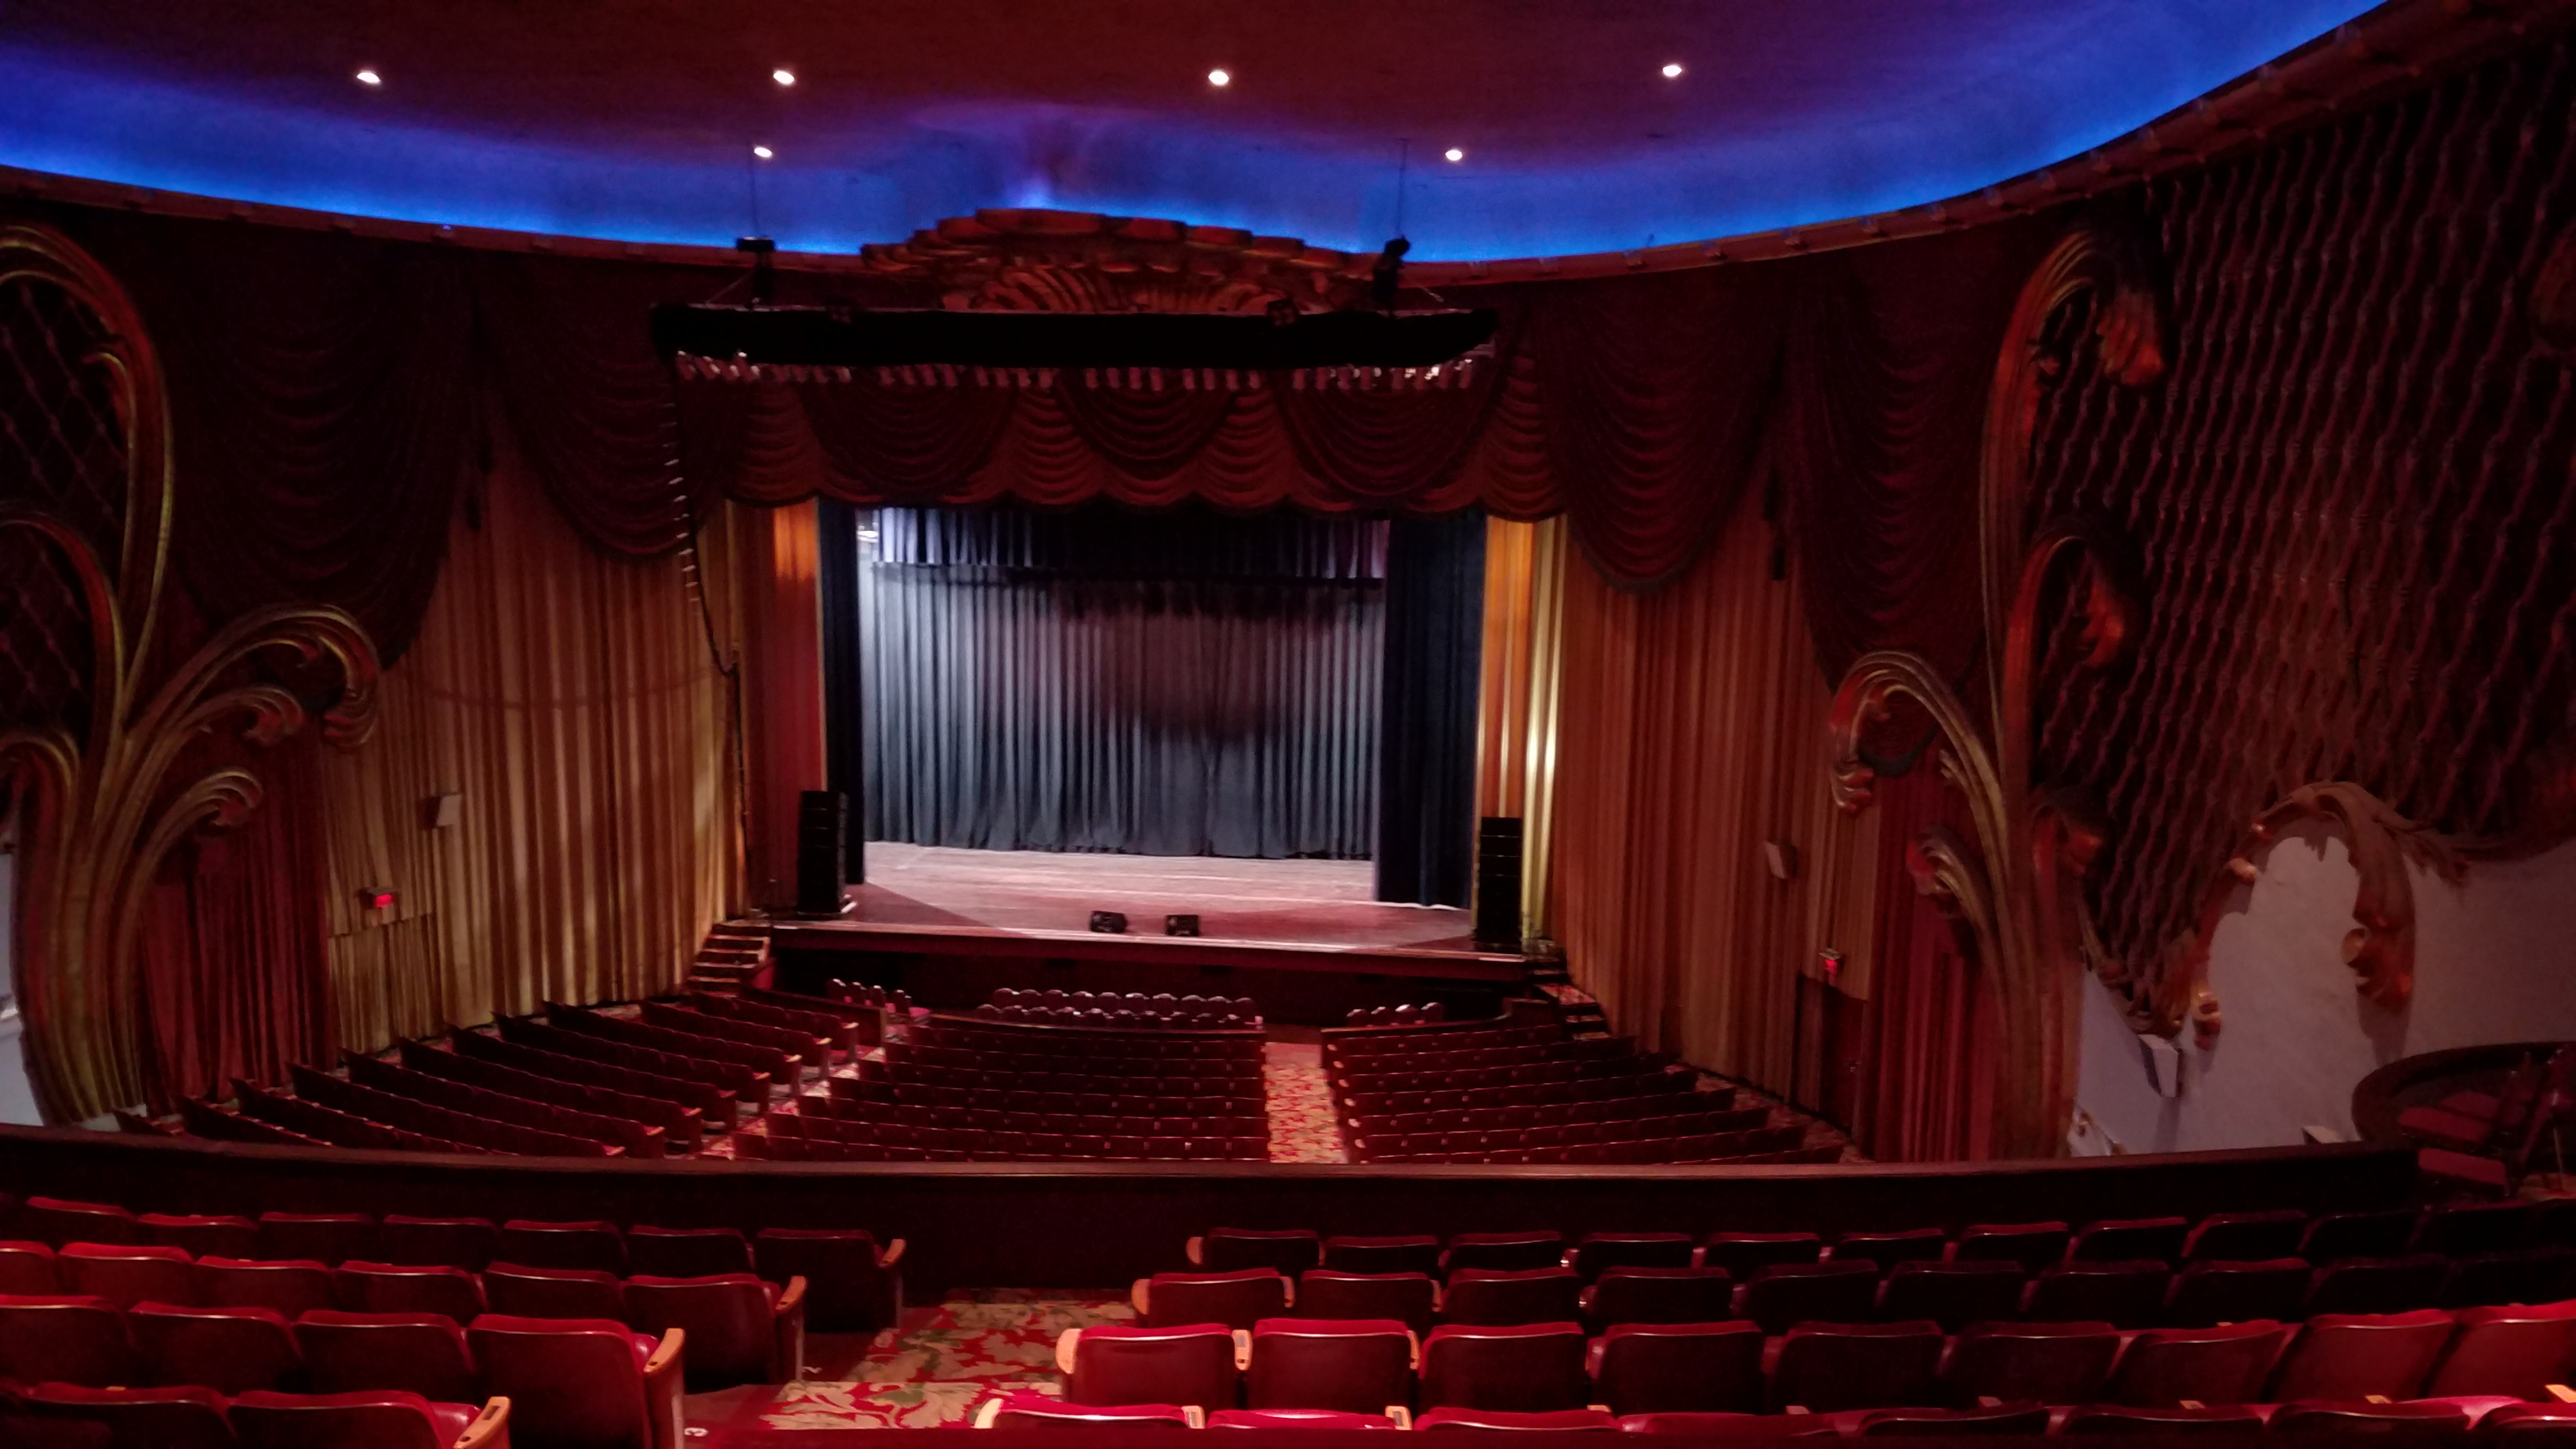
[{"x": 1498, "y": 882}]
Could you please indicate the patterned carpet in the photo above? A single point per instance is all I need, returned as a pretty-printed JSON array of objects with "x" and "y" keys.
[
  {"x": 1302, "y": 1126},
  {"x": 930, "y": 1372}
]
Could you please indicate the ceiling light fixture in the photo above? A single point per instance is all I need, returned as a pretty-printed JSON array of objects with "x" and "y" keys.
[
  {"x": 1672, "y": 70},
  {"x": 783, "y": 76},
  {"x": 762, "y": 152},
  {"x": 370, "y": 78},
  {"x": 1220, "y": 77},
  {"x": 1454, "y": 154}
]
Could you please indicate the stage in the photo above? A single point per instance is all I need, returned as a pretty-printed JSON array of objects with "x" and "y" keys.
[{"x": 1301, "y": 937}]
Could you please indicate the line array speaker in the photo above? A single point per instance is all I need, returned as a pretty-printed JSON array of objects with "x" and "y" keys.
[
  {"x": 1498, "y": 882},
  {"x": 819, "y": 851}
]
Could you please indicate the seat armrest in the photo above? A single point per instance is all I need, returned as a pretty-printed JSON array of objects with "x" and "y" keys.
[
  {"x": 787, "y": 1317},
  {"x": 1194, "y": 1415},
  {"x": 1291, "y": 1300},
  {"x": 663, "y": 1388},
  {"x": 490, "y": 1429},
  {"x": 1242, "y": 1350},
  {"x": 893, "y": 1254},
  {"x": 1140, "y": 1296},
  {"x": 988, "y": 1411},
  {"x": 1402, "y": 1416},
  {"x": 1413, "y": 1343},
  {"x": 1064, "y": 1344},
  {"x": 1196, "y": 1251}
]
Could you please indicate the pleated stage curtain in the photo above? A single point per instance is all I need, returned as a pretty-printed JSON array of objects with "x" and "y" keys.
[
  {"x": 570, "y": 699},
  {"x": 1690, "y": 732},
  {"x": 1435, "y": 595},
  {"x": 1516, "y": 706},
  {"x": 1163, "y": 685},
  {"x": 1927, "y": 1080}
]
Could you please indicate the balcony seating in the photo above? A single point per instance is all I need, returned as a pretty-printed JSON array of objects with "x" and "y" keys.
[
  {"x": 391, "y": 1288},
  {"x": 1193, "y": 1364},
  {"x": 687, "y": 1252},
  {"x": 1523, "y": 1368},
  {"x": 1356, "y": 1366},
  {"x": 2052, "y": 1363},
  {"x": 73, "y": 1339},
  {"x": 2355, "y": 1356},
  {"x": 1408, "y": 1298},
  {"x": 739, "y": 1329},
  {"x": 595, "y": 1246},
  {"x": 1492, "y": 1298},
  {"x": 172, "y": 1418},
  {"x": 2033, "y": 1245},
  {"x": 1640, "y": 1368},
  {"x": 582, "y": 1382},
  {"x": 126, "y": 1276},
  {"x": 372, "y": 1420},
  {"x": 1824, "y": 1367},
  {"x": 418, "y": 1353},
  {"x": 1226, "y": 1250},
  {"x": 202, "y": 1236},
  {"x": 1503, "y": 1252},
  {"x": 328, "y": 1238},
  {"x": 2163, "y": 1367},
  {"x": 229, "y": 1350},
  {"x": 1237, "y": 1300},
  {"x": 1953, "y": 1295},
  {"x": 1659, "y": 1295},
  {"x": 467, "y": 1243}
]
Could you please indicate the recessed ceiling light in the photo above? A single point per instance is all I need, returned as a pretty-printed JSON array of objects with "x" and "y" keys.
[
  {"x": 762, "y": 152},
  {"x": 1454, "y": 154},
  {"x": 783, "y": 76},
  {"x": 370, "y": 78},
  {"x": 1672, "y": 70},
  {"x": 1220, "y": 77}
]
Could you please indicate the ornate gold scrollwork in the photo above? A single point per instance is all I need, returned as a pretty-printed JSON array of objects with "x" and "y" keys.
[{"x": 100, "y": 812}]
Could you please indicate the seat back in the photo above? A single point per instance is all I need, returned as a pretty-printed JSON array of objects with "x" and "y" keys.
[
  {"x": 2382, "y": 1234},
  {"x": 1029, "y": 1411},
  {"x": 467, "y": 1243},
  {"x": 1545, "y": 1421},
  {"x": 2246, "y": 1237},
  {"x": 1237, "y": 1300},
  {"x": 1410, "y": 1254},
  {"x": 55, "y": 1221},
  {"x": 1503, "y": 1252},
  {"x": 1357, "y": 1366},
  {"x": 1787, "y": 1294},
  {"x": 2526, "y": 1275},
  {"x": 416, "y": 1352},
  {"x": 1598, "y": 1253},
  {"x": 1886, "y": 1250},
  {"x": 127, "y": 1275},
  {"x": 2212, "y": 1421},
  {"x": 2459, "y": 1229},
  {"x": 2033, "y": 1245},
  {"x": 229, "y": 1350},
  {"x": 1743, "y": 1255},
  {"x": 390, "y": 1288},
  {"x": 2053, "y": 1363},
  {"x": 846, "y": 1290},
  {"x": 520, "y": 1291},
  {"x": 327, "y": 1238},
  {"x": 1662, "y": 1295},
  {"x": 595, "y": 1247},
  {"x": 1641, "y": 1368},
  {"x": 2513, "y": 1350},
  {"x": 387, "y": 1419},
  {"x": 1183, "y": 1364},
  {"x": 2346, "y": 1417},
  {"x": 1999, "y": 1419},
  {"x": 227, "y": 1237},
  {"x": 2130, "y": 1295},
  {"x": 1494, "y": 1297},
  {"x": 730, "y": 1321},
  {"x": 2215, "y": 1291},
  {"x": 2353, "y": 1356},
  {"x": 27, "y": 1270},
  {"x": 2377, "y": 1285},
  {"x": 171, "y": 1418},
  {"x": 1291, "y": 1251},
  {"x": 2165, "y": 1366},
  {"x": 70, "y": 1339},
  {"x": 1953, "y": 1295},
  {"x": 1405, "y": 1297},
  {"x": 1824, "y": 1367},
  {"x": 2130, "y": 1240},
  {"x": 571, "y": 1382},
  {"x": 686, "y": 1253},
  {"x": 1297, "y": 1419},
  {"x": 1527, "y": 1368},
  {"x": 290, "y": 1287}
]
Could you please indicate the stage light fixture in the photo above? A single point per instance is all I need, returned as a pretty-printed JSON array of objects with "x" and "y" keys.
[
  {"x": 783, "y": 76},
  {"x": 370, "y": 78},
  {"x": 1186, "y": 925},
  {"x": 1454, "y": 154},
  {"x": 763, "y": 152},
  {"x": 1109, "y": 923},
  {"x": 1220, "y": 77},
  {"x": 1672, "y": 70}
]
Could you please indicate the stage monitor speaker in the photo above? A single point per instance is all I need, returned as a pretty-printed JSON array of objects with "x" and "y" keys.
[
  {"x": 819, "y": 851},
  {"x": 1498, "y": 882},
  {"x": 1109, "y": 923}
]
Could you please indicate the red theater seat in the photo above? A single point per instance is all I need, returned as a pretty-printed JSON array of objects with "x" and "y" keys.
[
  {"x": 391, "y": 1288},
  {"x": 2166, "y": 1366},
  {"x": 581, "y": 1384},
  {"x": 291, "y": 1288},
  {"x": 384, "y": 1420},
  {"x": 126, "y": 1276},
  {"x": 27, "y": 1269},
  {"x": 2131, "y": 1295},
  {"x": 172, "y": 1418},
  {"x": 1358, "y": 1366},
  {"x": 1787, "y": 1294},
  {"x": 2354, "y": 1356},
  {"x": 524, "y": 1292},
  {"x": 592, "y": 1246},
  {"x": 2515, "y": 1350},
  {"x": 1410, "y": 1254},
  {"x": 2377, "y": 1285},
  {"x": 1953, "y": 1295},
  {"x": 1237, "y": 1300},
  {"x": 2215, "y": 1291},
  {"x": 2031, "y": 1419},
  {"x": 740, "y": 1330},
  {"x": 2053, "y": 1363},
  {"x": 224, "y": 1237},
  {"x": 1527, "y": 1368},
  {"x": 1503, "y": 1252},
  {"x": 1408, "y": 1298},
  {"x": 1191, "y": 1364},
  {"x": 326, "y": 1238},
  {"x": 2557, "y": 1422},
  {"x": 1642, "y": 1368},
  {"x": 1549, "y": 1421},
  {"x": 1598, "y": 1253},
  {"x": 686, "y": 1252},
  {"x": 1494, "y": 1298},
  {"x": 2220, "y": 1421},
  {"x": 2527, "y": 1275},
  {"x": 56, "y": 1221},
  {"x": 467, "y": 1243},
  {"x": 1299, "y": 1419},
  {"x": 1290, "y": 1251},
  {"x": 850, "y": 1284},
  {"x": 2246, "y": 1237},
  {"x": 2322, "y": 1417},
  {"x": 2033, "y": 1245},
  {"x": 2382, "y": 1234},
  {"x": 229, "y": 1350},
  {"x": 1659, "y": 1295},
  {"x": 420, "y": 1353},
  {"x": 1824, "y": 1367},
  {"x": 2130, "y": 1240},
  {"x": 70, "y": 1339},
  {"x": 1030, "y": 1411},
  {"x": 2458, "y": 1230},
  {"x": 1886, "y": 1250}
]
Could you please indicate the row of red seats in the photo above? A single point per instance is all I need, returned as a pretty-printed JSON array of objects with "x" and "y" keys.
[
  {"x": 844, "y": 1031},
  {"x": 199, "y": 1418},
  {"x": 712, "y": 1105},
  {"x": 1581, "y": 1108},
  {"x": 755, "y": 1069},
  {"x": 1612, "y": 1145},
  {"x": 679, "y": 1128},
  {"x": 308, "y": 1122},
  {"x": 798, "y": 1137},
  {"x": 1102, "y": 1062},
  {"x": 1450, "y": 1058},
  {"x": 854, "y": 1284},
  {"x": 1117, "y": 1020},
  {"x": 1159, "y": 1003},
  {"x": 399, "y": 1109},
  {"x": 920, "y": 1080},
  {"x": 564, "y": 1381},
  {"x": 860, "y": 1101},
  {"x": 1621, "y": 1119},
  {"x": 1630, "y": 1069},
  {"x": 736, "y": 1086},
  {"x": 811, "y": 1050},
  {"x": 1006, "y": 1038},
  {"x": 1581, "y": 1092},
  {"x": 1347, "y": 1043},
  {"x": 2523, "y": 1353}
]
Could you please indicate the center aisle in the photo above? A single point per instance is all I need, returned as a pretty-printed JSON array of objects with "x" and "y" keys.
[{"x": 1300, "y": 1101}]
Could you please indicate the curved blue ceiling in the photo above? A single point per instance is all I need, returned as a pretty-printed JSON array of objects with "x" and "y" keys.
[{"x": 1789, "y": 112}]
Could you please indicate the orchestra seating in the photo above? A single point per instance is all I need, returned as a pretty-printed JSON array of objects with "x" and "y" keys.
[
  {"x": 1128, "y": 1011},
  {"x": 966, "y": 1088},
  {"x": 1522, "y": 1091}
]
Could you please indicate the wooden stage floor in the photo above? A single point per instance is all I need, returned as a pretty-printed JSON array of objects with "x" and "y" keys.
[{"x": 975, "y": 911}]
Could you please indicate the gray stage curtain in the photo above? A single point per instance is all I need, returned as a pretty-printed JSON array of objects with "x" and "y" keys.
[
  {"x": 1171, "y": 684},
  {"x": 1435, "y": 606}
]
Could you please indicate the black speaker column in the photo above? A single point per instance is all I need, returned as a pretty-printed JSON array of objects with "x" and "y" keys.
[
  {"x": 820, "y": 816},
  {"x": 1498, "y": 882}
]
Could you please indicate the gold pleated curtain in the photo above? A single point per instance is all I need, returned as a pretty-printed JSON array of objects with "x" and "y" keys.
[
  {"x": 1517, "y": 696},
  {"x": 1690, "y": 733},
  {"x": 571, "y": 703}
]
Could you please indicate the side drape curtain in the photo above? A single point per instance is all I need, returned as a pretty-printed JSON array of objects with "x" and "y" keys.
[
  {"x": 836, "y": 574},
  {"x": 1516, "y": 713},
  {"x": 1435, "y": 593},
  {"x": 1690, "y": 734},
  {"x": 1927, "y": 1084},
  {"x": 571, "y": 701},
  {"x": 1171, "y": 685}
]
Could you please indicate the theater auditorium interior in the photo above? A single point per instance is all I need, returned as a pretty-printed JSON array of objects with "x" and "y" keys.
[{"x": 722, "y": 724}]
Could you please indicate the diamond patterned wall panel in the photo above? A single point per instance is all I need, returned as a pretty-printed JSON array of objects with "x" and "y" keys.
[{"x": 62, "y": 452}]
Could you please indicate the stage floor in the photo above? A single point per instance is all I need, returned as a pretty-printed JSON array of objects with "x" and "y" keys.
[{"x": 1292, "y": 903}]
